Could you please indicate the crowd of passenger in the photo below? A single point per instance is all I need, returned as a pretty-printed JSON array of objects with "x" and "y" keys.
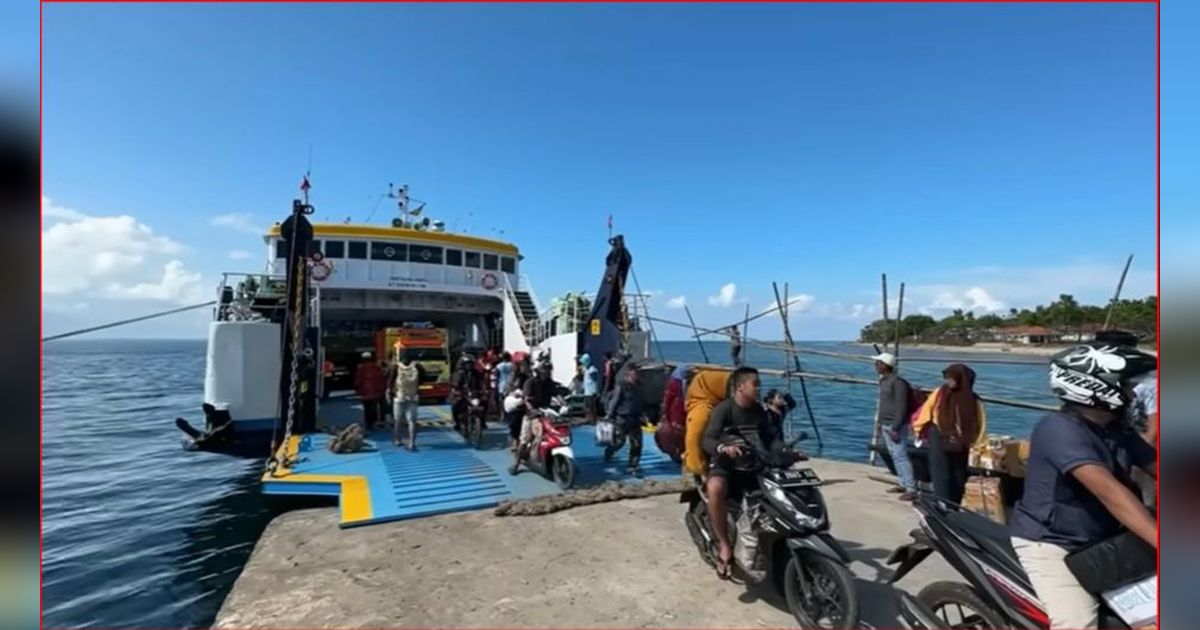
[{"x": 1089, "y": 475}]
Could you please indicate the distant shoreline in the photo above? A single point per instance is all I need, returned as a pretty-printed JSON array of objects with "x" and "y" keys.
[{"x": 986, "y": 348}]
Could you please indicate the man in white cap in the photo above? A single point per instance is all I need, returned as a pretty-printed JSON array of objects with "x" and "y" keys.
[{"x": 893, "y": 422}]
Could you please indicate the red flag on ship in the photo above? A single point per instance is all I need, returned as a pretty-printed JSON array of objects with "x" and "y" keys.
[{"x": 304, "y": 185}]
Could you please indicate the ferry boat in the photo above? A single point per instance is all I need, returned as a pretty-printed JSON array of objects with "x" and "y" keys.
[{"x": 282, "y": 340}]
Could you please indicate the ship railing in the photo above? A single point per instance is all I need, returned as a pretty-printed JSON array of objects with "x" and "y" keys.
[
  {"x": 573, "y": 316},
  {"x": 238, "y": 291}
]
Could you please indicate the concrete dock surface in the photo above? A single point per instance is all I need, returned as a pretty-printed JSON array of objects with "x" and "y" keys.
[{"x": 624, "y": 564}]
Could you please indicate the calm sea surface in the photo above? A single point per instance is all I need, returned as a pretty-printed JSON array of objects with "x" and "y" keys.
[{"x": 139, "y": 533}]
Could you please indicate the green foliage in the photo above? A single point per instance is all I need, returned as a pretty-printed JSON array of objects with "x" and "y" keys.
[{"x": 1064, "y": 315}]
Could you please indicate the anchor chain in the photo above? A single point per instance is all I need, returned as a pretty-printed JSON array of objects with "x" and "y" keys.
[{"x": 293, "y": 382}]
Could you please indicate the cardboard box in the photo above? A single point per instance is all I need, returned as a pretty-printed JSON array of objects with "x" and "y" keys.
[
  {"x": 1001, "y": 454},
  {"x": 1016, "y": 455},
  {"x": 984, "y": 496}
]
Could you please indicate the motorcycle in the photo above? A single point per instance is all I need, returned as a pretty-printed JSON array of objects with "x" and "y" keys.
[
  {"x": 475, "y": 422},
  {"x": 783, "y": 517},
  {"x": 998, "y": 593},
  {"x": 552, "y": 456}
]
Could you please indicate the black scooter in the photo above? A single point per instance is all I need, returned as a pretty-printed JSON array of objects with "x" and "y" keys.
[
  {"x": 997, "y": 593},
  {"x": 787, "y": 515}
]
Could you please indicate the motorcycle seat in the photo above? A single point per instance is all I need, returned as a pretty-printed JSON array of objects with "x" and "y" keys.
[{"x": 993, "y": 537}]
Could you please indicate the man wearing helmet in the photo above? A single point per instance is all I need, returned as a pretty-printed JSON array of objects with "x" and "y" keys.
[
  {"x": 1078, "y": 489},
  {"x": 462, "y": 384}
]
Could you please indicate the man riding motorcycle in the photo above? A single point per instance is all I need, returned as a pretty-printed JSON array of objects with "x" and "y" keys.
[
  {"x": 538, "y": 394},
  {"x": 464, "y": 382},
  {"x": 1078, "y": 489},
  {"x": 739, "y": 416}
]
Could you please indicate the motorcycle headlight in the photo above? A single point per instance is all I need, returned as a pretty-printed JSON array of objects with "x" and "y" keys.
[{"x": 784, "y": 503}]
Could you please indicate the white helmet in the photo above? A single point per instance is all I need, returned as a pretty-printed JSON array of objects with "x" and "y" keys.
[{"x": 1097, "y": 375}]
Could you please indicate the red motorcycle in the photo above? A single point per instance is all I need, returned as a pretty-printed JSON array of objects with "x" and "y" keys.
[{"x": 552, "y": 456}]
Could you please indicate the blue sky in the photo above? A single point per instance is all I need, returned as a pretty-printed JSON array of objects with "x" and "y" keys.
[{"x": 990, "y": 156}]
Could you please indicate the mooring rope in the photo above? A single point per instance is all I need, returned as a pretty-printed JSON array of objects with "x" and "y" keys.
[{"x": 127, "y": 321}]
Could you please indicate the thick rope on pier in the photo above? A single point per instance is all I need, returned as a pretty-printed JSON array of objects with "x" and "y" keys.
[{"x": 609, "y": 491}]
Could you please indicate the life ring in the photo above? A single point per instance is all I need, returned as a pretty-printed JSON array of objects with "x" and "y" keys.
[
  {"x": 321, "y": 270},
  {"x": 490, "y": 281}
]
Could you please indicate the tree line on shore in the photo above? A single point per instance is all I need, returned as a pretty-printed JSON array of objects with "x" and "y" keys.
[{"x": 1066, "y": 317}]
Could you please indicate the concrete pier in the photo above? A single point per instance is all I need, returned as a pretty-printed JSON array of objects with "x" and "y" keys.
[{"x": 624, "y": 564}]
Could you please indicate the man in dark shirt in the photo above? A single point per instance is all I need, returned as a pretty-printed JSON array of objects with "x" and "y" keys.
[
  {"x": 740, "y": 415},
  {"x": 1077, "y": 482},
  {"x": 626, "y": 413},
  {"x": 893, "y": 422},
  {"x": 538, "y": 394}
]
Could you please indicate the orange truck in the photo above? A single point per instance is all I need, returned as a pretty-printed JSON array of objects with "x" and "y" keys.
[{"x": 429, "y": 347}]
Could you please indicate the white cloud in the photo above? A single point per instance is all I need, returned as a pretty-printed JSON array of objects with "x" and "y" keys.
[
  {"x": 840, "y": 310},
  {"x": 175, "y": 285},
  {"x": 116, "y": 257},
  {"x": 239, "y": 221},
  {"x": 726, "y": 297},
  {"x": 239, "y": 254},
  {"x": 974, "y": 299},
  {"x": 797, "y": 304},
  {"x": 55, "y": 212},
  {"x": 677, "y": 302}
]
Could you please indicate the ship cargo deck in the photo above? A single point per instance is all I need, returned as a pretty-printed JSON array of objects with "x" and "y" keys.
[{"x": 445, "y": 474}]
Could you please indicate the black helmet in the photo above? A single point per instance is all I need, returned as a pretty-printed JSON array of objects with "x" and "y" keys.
[{"x": 1097, "y": 374}]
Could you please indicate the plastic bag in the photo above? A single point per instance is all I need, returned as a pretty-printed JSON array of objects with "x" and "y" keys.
[
  {"x": 745, "y": 548},
  {"x": 605, "y": 432}
]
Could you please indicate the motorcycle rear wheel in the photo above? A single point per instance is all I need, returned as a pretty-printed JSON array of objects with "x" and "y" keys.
[
  {"x": 563, "y": 469},
  {"x": 833, "y": 602},
  {"x": 942, "y": 597}
]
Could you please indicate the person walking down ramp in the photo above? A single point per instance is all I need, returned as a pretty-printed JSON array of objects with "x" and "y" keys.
[
  {"x": 406, "y": 400},
  {"x": 625, "y": 412}
]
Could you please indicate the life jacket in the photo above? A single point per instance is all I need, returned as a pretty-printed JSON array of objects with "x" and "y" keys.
[{"x": 707, "y": 388}]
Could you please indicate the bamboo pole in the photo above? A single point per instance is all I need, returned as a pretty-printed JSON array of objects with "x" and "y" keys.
[
  {"x": 1117, "y": 296},
  {"x": 875, "y": 429},
  {"x": 787, "y": 335},
  {"x": 861, "y": 358},
  {"x": 688, "y": 312},
  {"x": 853, "y": 380}
]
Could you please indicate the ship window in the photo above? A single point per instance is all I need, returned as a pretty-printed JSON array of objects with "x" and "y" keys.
[
  {"x": 388, "y": 251},
  {"x": 281, "y": 248},
  {"x": 454, "y": 257},
  {"x": 473, "y": 259},
  {"x": 314, "y": 246},
  {"x": 491, "y": 262},
  {"x": 358, "y": 249},
  {"x": 428, "y": 254},
  {"x": 335, "y": 249},
  {"x": 508, "y": 265}
]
